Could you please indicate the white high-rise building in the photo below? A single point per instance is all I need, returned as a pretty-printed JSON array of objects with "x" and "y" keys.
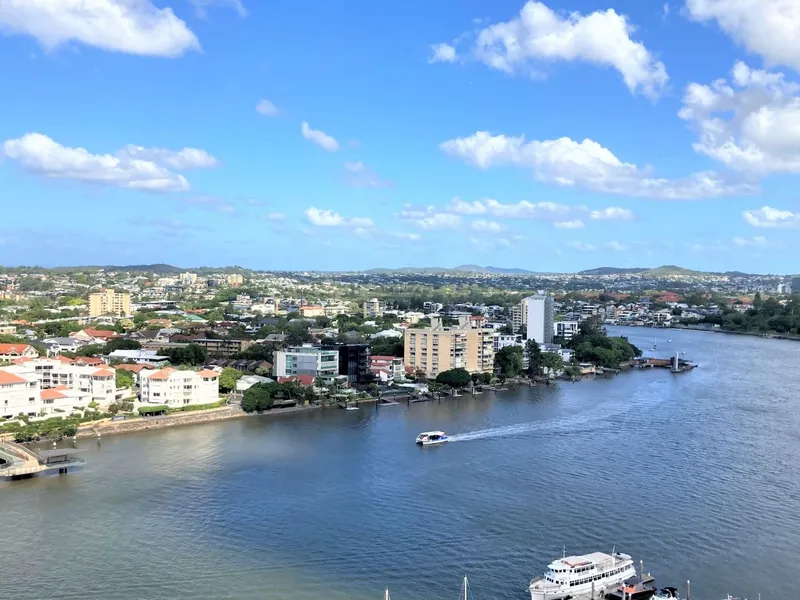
[{"x": 538, "y": 313}]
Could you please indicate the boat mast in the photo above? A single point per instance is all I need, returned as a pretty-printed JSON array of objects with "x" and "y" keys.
[{"x": 386, "y": 594}]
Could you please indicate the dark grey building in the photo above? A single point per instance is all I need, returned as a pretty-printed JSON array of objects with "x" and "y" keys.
[{"x": 353, "y": 362}]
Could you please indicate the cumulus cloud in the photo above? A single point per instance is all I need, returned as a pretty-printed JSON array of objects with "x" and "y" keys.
[
  {"x": 574, "y": 224},
  {"x": 320, "y": 138},
  {"x": 180, "y": 160},
  {"x": 131, "y": 27},
  {"x": 769, "y": 28},
  {"x": 583, "y": 247},
  {"x": 617, "y": 246},
  {"x": 487, "y": 226},
  {"x": 612, "y": 213},
  {"x": 400, "y": 235},
  {"x": 586, "y": 164},
  {"x": 443, "y": 53},
  {"x": 42, "y": 155},
  {"x": 429, "y": 217},
  {"x": 201, "y": 5},
  {"x": 539, "y": 36},
  {"x": 758, "y": 241},
  {"x": 328, "y": 218},
  {"x": 750, "y": 123},
  {"x": 767, "y": 217},
  {"x": 357, "y": 174},
  {"x": 267, "y": 108}
]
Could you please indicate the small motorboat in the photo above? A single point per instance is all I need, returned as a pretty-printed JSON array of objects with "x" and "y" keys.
[
  {"x": 431, "y": 438},
  {"x": 352, "y": 408},
  {"x": 667, "y": 593},
  {"x": 635, "y": 588}
]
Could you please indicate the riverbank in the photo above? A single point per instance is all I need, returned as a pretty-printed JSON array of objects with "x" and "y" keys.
[{"x": 770, "y": 335}]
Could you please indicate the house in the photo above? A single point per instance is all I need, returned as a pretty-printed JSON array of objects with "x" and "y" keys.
[
  {"x": 88, "y": 361},
  {"x": 94, "y": 336},
  {"x": 57, "y": 345},
  {"x": 246, "y": 382},
  {"x": 304, "y": 380},
  {"x": 10, "y": 352},
  {"x": 141, "y": 357},
  {"x": 387, "y": 368},
  {"x": 98, "y": 385},
  {"x": 178, "y": 388}
]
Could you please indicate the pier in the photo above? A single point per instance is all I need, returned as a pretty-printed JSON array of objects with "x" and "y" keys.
[{"x": 18, "y": 462}]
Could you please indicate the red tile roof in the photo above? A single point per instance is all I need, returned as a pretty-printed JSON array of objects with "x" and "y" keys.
[
  {"x": 162, "y": 375},
  {"x": 13, "y": 348},
  {"x": 52, "y": 394},
  {"x": 131, "y": 368},
  {"x": 208, "y": 373},
  {"x": 7, "y": 378},
  {"x": 103, "y": 373},
  {"x": 88, "y": 360}
]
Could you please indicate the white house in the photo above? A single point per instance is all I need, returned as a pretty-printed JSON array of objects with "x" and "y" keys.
[
  {"x": 140, "y": 357},
  {"x": 566, "y": 329},
  {"x": 11, "y": 352},
  {"x": 178, "y": 388}
]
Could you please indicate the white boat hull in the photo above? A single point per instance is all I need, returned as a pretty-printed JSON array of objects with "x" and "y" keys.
[
  {"x": 434, "y": 442},
  {"x": 584, "y": 590}
]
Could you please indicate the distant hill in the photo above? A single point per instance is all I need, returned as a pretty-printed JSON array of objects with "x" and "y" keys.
[
  {"x": 459, "y": 269},
  {"x": 612, "y": 271}
]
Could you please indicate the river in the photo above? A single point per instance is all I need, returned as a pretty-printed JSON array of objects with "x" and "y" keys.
[{"x": 696, "y": 474}]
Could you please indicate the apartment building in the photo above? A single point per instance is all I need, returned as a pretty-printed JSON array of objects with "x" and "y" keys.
[
  {"x": 387, "y": 368},
  {"x": 538, "y": 312},
  {"x": 437, "y": 348},
  {"x": 353, "y": 361},
  {"x": 306, "y": 360},
  {"x": 45, "y": 386},
  {"x": 223, "y": 348},
  {"x": 311, "y": 310},
  {"x": 234, "y": 280},
  {"x": 109, "y": 302},
  {"x": 372, "y": 309},
  {"x": 566, "y": 329},
  {"x": 174, "y": 388}
]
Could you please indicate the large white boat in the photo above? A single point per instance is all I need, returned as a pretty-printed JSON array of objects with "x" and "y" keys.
[
  {"x": 431, "y": 438},
  {"x": 580, "y": 576}
]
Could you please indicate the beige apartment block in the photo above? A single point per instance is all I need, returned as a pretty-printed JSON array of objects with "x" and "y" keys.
[
  {"x": 109, "y": 302},
  {"x": 437, "y": 348}
]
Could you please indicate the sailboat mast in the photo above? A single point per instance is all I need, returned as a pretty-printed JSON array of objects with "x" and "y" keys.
[{"x": 466, "y": 583}]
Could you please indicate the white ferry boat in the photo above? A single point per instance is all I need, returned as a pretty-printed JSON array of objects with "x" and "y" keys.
[
  {"x": 431, "y": 438},
  {"x": 579, "y": 576}
]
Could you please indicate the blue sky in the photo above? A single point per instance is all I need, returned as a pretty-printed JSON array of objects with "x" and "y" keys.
[{"x": 287, "y": 134}]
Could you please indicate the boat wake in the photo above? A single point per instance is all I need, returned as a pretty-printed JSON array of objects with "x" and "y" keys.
[{"x": 595, "y": 418}]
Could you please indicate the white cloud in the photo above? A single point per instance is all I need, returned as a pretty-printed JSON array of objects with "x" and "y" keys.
[
  {"x": 617, "y": 246},
  {"x": 443, "y": 53},
  {"x": 328, "y": 218},
  {"x": 461, "y": 207},
  {"x": 612, "y": 213},
  {"x": 181, "y": 160},
  {"x": 200, "y": 6},
  {"x": 574, "y": 224},
  {"x": 320, "y": 138},
  {"x": 132, "y": 27},
  {"x": 411, "y": 237},
  {"x": 538, "y": 35},
  {"x": 274, "y": 216},
  {"x": 357, "y": 174},
  {"x": 767, "y": 217},
  {"x": 487, "y": 226},
  {"x": 587, "y": 164},
  {"x": 41, "y": 155},
  {"x": 758, "y": 241},
  {"x": 582, "y": 247},
  {"x": 267, "y": 108},
  {"x": 429, "y": 218},
  {"x": 769, "y": 28},
  {"x": 666, "y": 9},
  {"x": 750, "y": 123}
]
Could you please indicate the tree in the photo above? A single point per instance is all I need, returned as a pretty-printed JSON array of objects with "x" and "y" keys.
[
  {"x": 552, "y": 362},
  {"x": 506, "y": 329},
  {"x": 121, "y": 344},
  {"x": 90, "y": 350},
  {"x": 509, "y": 361},
  {"x": 386, "y": 346},
  {"x": 124, "y": 326},
  {"x": 228, "y": 378},
  {"x": 487, "y": 378},
  {"x": 534, "y": 358},
  {"x": 191, "y": 354},
  {"x": 457, "y": 378},
  {"x": 258, "y": 397},
  {"x": 124, "y": 379}
]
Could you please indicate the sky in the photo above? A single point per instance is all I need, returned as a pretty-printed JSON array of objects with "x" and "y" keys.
[{"x": 310, "y": 135}]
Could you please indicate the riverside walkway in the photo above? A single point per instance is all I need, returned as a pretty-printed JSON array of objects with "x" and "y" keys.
[{"x": 19, "y": 462}]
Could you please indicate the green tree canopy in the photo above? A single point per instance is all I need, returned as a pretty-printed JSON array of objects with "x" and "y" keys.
[
  {"x": 124, "y": 378},
  {"x": 228, "y": 378},
  {"x": 121, "y": 344},
  {"x": 509, "y": 360},
  {"x": 457, "y": 378}
]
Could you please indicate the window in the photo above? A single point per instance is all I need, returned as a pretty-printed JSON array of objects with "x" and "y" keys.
[{"x": 156, "y": 394}]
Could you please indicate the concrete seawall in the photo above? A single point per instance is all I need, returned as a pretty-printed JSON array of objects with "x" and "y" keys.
[{"x": 133, "y": 425}]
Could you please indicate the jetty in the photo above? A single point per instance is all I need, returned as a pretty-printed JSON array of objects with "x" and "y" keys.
[{"x": 18, "y": 462}]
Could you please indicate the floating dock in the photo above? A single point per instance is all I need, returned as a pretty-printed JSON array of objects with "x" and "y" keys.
[{"x": 18, "y": 462}]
